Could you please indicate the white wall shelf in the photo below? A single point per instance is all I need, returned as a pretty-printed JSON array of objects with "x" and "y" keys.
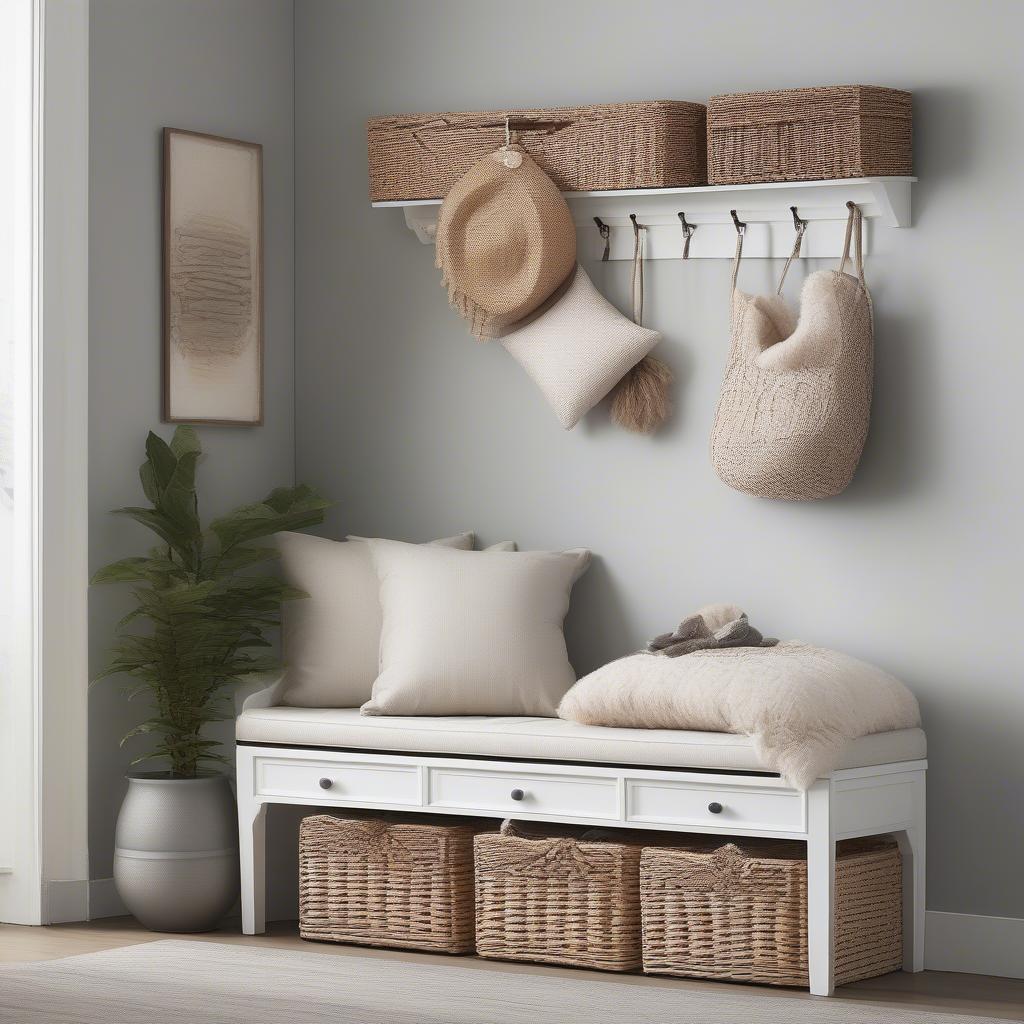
[{"x": 765, "y": 208}]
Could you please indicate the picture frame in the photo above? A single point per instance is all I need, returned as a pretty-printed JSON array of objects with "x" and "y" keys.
[{"x": 213, "y": 344}]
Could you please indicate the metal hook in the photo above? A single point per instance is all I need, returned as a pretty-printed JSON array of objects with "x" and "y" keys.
[
  {"x": 605, "y": 232},
  {"x": 801, "y": 227},
  {"x": 636, "y": 227},
  {"x": 740, "y": 225},
  {"x": 688, "y": 230}
]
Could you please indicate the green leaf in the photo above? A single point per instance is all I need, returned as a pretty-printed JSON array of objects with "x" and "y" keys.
[
  {"x": 127, "y": 570},
  {"x": 283, "y": 509},
  {"x": 185, "y": 441},
  {"x": 139, "y": 730},
  {"x": 290, "y": 499},
  {"x": 239, "y": 557},
  {"x": 160, "y": 524},
  {"x": 178, "y": 499},
  {"x": 161, "y": 458},
  {"x": 150, "y": 487},
  {"x": 135, "y": 613}
]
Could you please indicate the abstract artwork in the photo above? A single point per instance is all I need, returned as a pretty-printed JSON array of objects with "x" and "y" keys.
[{"x": 213, "y": 279}]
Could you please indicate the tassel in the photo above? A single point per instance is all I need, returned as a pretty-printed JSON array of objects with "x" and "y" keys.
[{"x": 641, "y": 402}]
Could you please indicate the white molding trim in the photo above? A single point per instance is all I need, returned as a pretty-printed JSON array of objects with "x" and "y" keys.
[
  {"x": 974, "y": 944},
  {"x": 62, "y": 395},
  {"x": 104, "y": 900},
  {"x": 50, "y": 699},
  {"x": 66, "y": 900},
  {"x": 21, "y": 895}
]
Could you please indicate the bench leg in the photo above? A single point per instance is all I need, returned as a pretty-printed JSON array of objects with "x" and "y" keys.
[
  {"x": 252, "y": 859},
  {"x": 821, "y": 874},
  {"x": 252, "y": 849},
  {"x": 911, "y": 842}
]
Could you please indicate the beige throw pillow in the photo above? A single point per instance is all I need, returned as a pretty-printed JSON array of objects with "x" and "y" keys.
[
  {"x": 332, "y": 638},
  {"x": 472, "y": 633},
  {"x": 579, "y": 349}
]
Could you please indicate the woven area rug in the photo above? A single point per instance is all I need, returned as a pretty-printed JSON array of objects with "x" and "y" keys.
[{"x": 181, "y": 982}]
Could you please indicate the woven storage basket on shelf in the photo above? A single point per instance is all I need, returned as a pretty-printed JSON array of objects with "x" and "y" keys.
[
  {"x": 557, "y": 898},
  {"x": 382, "y": 881},
  {"x": 659, "y": 144},
  {"x": 739, "y": 913},
  {"x": 843, "y": 131}
]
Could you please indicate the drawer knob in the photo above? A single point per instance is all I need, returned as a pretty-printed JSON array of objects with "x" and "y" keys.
[
  {"x": 517, "y": 794},
  {"x": 715, "y": 807},
  {"x": 326, "y": 783}
]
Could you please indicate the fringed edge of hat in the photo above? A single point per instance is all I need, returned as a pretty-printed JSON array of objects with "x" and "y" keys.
[{"x": 479, "y": 319}]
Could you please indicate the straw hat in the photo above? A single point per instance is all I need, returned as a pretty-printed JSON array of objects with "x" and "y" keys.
[{"x": 506, "y": 242}]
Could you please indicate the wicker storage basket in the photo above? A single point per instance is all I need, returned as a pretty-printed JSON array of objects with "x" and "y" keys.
[
  {"x": 846, "y": 131},
  {"x": 740, "y": 913},
  {"x": 621, "y": 145},
  {"x": 382, "y": 881},
  {"x": 558, "y": 898}
]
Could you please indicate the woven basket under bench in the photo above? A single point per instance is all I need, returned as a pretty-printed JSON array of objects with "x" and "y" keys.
[
  {"x": 555, "y": 896},
  {"x": 739, "y": 913},
  {"x": 657, "y": 144},
  {"x": 384, "y": 881}
]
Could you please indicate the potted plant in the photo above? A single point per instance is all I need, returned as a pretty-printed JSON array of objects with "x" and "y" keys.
[{"x": 198, "y": 629}]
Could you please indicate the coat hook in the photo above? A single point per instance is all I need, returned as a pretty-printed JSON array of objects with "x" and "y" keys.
[
  {"x": 688, "y": 230},
  {"x": 636, "y": 227},
  {"x": 740, "y": 225},
  {"x": 605, "y": 232},
  {"x": 801, "y": 227}
]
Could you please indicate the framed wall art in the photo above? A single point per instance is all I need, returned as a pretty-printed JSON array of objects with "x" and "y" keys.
[{"x": 213, "y": 279}]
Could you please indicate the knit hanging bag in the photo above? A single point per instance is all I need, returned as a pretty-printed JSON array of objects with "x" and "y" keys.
[{"x": 796, "y": 399}]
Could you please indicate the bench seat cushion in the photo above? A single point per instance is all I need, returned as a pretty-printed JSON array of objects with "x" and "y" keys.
[{"x": 542, "y": 739}]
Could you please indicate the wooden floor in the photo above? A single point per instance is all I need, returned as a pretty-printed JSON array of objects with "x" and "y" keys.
[{"x": 951, "y": 993}]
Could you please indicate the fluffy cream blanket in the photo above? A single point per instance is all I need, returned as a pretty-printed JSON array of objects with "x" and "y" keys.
[{"x": 800, "y": 704}]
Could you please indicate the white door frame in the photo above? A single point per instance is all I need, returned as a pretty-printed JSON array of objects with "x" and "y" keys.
[{"x": 48, "y": 877}]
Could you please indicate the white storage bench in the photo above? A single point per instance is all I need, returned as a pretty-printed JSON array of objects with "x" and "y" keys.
[{"x": 545, "y": 769}]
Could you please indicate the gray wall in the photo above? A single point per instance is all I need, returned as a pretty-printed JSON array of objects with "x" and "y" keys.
[
  {"x": 417, "y": 430},
  {"x": 224, "y": 68}
]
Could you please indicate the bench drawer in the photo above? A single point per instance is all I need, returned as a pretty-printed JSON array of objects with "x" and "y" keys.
[
  {"x": 686, "y": 803},
  {"x": 326, "y": 782},
  {"x": 524, "y": 793}
]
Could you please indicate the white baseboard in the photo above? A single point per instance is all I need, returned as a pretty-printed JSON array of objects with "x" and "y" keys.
[
  {"x": 65, "y": 901},
  {"x": 104, "y": 900},
  {"x": 974, "y": 944},
  {"x": 964, "y": 943}
]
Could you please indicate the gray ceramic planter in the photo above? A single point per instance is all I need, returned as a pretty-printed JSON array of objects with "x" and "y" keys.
[{"x": 176, "y": 851}]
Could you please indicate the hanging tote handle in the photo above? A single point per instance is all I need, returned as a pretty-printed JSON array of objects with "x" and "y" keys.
[
  {"x": 638, "y": 271},
  {"x": 741, "y": 229},
  {"x": 854, "y": 230}
]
